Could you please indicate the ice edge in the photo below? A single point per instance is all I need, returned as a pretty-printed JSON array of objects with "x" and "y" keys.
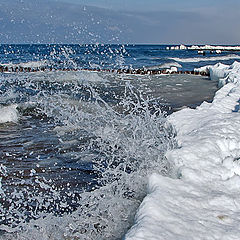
[{"x": 202, "y": 202}]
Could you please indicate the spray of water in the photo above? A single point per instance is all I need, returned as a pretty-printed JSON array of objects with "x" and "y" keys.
[{"x": 116, "y": 138}]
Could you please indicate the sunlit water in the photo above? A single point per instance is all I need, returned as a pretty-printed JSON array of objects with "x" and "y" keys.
[{"x": 75, "y": 164}]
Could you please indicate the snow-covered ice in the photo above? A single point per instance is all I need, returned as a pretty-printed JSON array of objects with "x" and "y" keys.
[{"x": 201, "y": 200}]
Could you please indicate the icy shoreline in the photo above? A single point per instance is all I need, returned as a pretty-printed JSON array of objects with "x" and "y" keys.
[{"x": 202, "y": 201}]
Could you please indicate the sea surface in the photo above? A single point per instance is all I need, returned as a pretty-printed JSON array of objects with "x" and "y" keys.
[{"x": 75, "y": 159}]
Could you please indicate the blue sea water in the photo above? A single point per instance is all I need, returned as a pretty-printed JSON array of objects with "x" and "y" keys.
[
  {"x": 75, "y": 164},
  {"x": 108, "y": 56}
]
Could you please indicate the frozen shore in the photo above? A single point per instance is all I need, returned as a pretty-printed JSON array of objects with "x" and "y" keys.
[{"x": 202, "y": 200}]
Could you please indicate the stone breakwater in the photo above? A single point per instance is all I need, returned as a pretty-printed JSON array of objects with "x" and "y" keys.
[{"x": 8, "y": 69}]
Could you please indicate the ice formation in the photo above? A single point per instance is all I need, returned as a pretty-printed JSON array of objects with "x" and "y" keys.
[
  {"x": 202, "y": 200},
  {"x": 205, "y": 47}
]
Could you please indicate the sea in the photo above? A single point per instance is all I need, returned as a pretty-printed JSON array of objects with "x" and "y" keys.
[{"x": 80, "y": 139}]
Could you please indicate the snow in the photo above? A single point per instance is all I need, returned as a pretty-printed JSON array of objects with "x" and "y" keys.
[
  {"x": 210, "y": 47},
  {"x": 8, "y": 114},
  {"x": 206, "y": 47},
  {"x": 201, "y": 199}
]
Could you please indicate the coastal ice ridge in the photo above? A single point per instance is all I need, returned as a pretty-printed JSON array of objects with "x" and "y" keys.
[{"x": 202, "y": 200}]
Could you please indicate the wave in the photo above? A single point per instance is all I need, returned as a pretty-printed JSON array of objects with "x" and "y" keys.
[
  {"x": 8, "y": 114},
  {"x": 116, "y": 145},
  {"x": 204, "y": 193},
  {"x": 30, "y": 64},
  {"x": 206, "y": 59},
  {"x": 165, "y": 65}
]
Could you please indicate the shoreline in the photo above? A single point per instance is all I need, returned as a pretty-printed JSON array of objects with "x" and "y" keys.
[{"x": 201, "y": 198}]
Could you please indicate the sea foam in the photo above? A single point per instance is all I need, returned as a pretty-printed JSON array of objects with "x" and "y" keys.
[
  {"x": 206, "y": 59},
  {"x": 202, "y": 200},
  {"x": 8, "y": 114}
]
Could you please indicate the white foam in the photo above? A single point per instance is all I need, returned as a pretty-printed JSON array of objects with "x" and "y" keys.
[
  {"x": 201, "y": 201},
  {"x": 8, "y": 114},
  {"x": 168, "y": 65},
  {"x": 31, "y": 64},
  {"x": 206, "y": 59}
]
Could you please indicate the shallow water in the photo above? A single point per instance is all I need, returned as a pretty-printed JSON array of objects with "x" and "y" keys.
[{"x": 174, "y": 91}]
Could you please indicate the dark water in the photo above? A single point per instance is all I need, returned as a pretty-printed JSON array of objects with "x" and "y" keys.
[{"x": 74, "y": 164}]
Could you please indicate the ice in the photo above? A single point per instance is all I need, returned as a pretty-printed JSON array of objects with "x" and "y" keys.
[
  {"x": 8, "y": 114},
  {"x": 222, "y": 73},
  {"x": 210, "y": 47},
  {"x": 172, "y": 69},
  {"x": 201, "y": 199},
  {"x": 206, "y": 47}
]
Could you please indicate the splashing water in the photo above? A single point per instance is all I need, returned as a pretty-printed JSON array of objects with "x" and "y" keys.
[{"x": 75, "y": 165}]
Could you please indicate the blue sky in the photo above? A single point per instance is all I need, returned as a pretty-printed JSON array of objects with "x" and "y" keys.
[
  {"x": 156, "y": 5},
  {"x": 120, "y": 21}
]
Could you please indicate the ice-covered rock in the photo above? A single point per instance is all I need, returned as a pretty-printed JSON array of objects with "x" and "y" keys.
[
  {"x": 172, "y": 69},
  {"x": 210, "y": 47},
  {"x": 182, "y": 47}
]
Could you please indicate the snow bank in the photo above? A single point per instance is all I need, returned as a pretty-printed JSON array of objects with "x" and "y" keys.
[
  {"x": 8, "y": 114},
  {"x": 202, "y": 200}
]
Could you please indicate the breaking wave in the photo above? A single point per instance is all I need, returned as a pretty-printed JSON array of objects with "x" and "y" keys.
[
  {"x": 76, "y": 162},
  {"x": 205, "y": 59}
]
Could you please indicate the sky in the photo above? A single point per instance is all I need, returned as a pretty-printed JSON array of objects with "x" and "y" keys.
[
  {"x": 120, "y": 21},
  {"x": 159, "y": 5}
]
